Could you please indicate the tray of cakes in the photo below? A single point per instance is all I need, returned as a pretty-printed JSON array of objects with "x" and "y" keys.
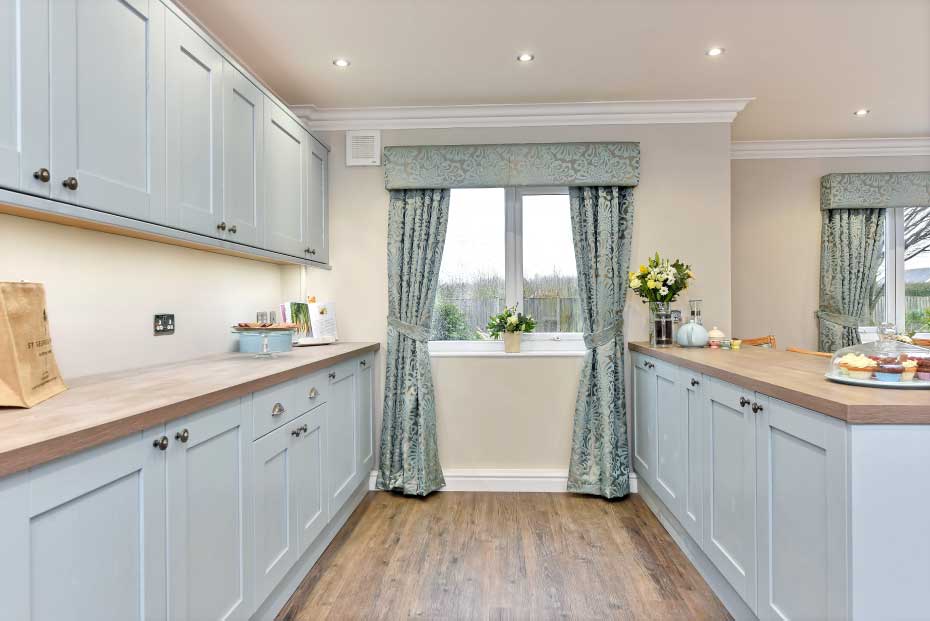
[{"x": 883, "y": 364}]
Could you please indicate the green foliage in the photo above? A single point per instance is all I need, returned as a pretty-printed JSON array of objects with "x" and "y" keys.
[
  {"x": 449, "y": 324},
  {"x": 510, "y": 321},
  {"x": 917, "y": 289},
  {"x": 660, "y": 280}
]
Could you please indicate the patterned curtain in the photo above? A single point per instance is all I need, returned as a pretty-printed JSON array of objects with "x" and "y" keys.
[
  {"x": 602, "y": 227},
  {"x": 852, "y": 241},
  {"x": 417, "y": 223}
]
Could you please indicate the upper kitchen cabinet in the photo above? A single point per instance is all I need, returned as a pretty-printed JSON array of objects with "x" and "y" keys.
[
  {"x": 193, "y": 132},
  {"x": 318, "y": 221},
  {"x": 24, "y": 143},
  {"x": 243, "y": 182},
  {"x": 106, "y": 73},
  {"x": 287, "y": 195}
]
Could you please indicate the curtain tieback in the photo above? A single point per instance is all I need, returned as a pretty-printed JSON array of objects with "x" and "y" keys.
[
  {"x": 847, "y": 321},
  {"x": 594, "y": 340},
  {"x": 410, "y": 330}
]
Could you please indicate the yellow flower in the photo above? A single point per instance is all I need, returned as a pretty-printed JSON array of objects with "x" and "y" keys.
[
  {"x": 651, "y": 284},
  {"x": 635, "y": 283},
  {"x": 690, "y": 274},
  {"x": 643, "y": 269}
]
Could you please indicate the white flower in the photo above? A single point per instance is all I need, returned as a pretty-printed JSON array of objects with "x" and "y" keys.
[
  {"x": 635, "y": 283},
  {"x": 512, "y": 320},
  {"x": 663, "y": 291}
]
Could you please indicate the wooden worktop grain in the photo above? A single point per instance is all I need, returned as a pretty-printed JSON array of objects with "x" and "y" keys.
[
  {"x": 799, "y": 379},
  {"x": 101, "y": 408}
]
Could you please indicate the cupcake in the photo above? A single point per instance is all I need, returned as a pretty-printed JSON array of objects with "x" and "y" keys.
[
  {"x": 923, "y": 369},
  {"x": 858, "y": 366},
  {"x": 910, "y": 369},
  {"x": 889, "y": 372}
]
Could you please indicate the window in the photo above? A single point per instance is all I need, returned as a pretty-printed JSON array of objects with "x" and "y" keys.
[
  {"x": 507, "y": 246},
  {"x": 907, "y": 269}
]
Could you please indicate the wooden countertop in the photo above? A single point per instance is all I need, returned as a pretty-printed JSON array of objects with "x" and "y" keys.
[
  {"x": 101, "y": 408},
  {"x": 799, "y": 379}
]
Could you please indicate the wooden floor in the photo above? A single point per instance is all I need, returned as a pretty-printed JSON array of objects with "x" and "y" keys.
[{"x": 462, "y": 555}]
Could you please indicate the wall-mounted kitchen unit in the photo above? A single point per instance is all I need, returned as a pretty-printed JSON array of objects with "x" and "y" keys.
[{"x": 124, "y": 115}]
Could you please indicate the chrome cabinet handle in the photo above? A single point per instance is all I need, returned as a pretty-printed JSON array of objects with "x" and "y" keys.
[
  {"x": 71, "y": 183},
  {"x": 184, "y": 435},
  {"x": 743, "y": 402},
  {"x": 277, "y": 409},
  {"x": 332, "y": 375},
  {"x": 313, "y": 393},
  {"x": 221, "y": 226},
  {"x": 694, "y": 382},
  {"x": 42, "y": 175},
  {"x": 232, "y": 229},
  {"x": 161, "y": 443},
  {"x": 756, "y": 408}
]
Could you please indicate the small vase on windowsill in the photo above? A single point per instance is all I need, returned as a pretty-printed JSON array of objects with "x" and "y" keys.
[
  {"x": 512, "y": 342},
  {"x": 661, "y": 333}
]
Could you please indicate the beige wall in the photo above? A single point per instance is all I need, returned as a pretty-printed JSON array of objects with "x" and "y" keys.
[
  {"x": 516, "y": 413},
  {"x": 103, "y": 289},
  {"x": 776, "y": 241}
]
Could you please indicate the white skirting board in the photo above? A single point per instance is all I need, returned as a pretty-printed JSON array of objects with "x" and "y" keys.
[{"x": 504, "y": 480}]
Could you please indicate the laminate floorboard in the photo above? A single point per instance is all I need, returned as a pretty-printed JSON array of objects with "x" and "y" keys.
[{"x": 502, "y": 556}]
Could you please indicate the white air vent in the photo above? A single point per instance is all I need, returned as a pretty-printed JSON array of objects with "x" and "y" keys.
[{"x": 363, "y": 147}]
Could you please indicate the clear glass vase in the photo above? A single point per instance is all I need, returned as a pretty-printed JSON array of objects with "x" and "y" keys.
[{"x": 661, "y": 333}]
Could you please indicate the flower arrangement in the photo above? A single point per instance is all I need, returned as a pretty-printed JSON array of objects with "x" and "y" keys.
[
  {"x": 659, "y": 280},
  {"x": 510, "y": 321}
]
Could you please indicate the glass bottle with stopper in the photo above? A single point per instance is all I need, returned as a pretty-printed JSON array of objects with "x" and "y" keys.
[{"x": 693, "y": 333}]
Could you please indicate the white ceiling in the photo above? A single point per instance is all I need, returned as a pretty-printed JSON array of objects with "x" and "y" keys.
[{"x": 808, "y": 63}]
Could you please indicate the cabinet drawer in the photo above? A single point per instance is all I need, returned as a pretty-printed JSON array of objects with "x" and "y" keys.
[
  {"x": 647, "y": 363},
  {"x": 730, "y": 395},
  {"x": 275, "y": 406},
  {"x": 312, "y": 390}
]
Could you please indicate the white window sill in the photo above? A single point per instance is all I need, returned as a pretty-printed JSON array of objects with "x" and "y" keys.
[{"x": 503, "y": 354}]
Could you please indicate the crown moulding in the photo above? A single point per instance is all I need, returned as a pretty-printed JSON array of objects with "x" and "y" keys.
[
  {"x": 523, "y": 115},
  {"x": 844, "y": 147}
]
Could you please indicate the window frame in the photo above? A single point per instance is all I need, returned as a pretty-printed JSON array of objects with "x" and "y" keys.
[
  {"x": 534, "y": 343},
  {"x": 895, "y": 285}
]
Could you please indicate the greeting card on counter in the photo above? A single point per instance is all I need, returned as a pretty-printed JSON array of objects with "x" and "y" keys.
[{"x": 323, "y": 319}]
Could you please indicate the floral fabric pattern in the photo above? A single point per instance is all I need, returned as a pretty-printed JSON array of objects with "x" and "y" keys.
[
  {"x": 504, "y": 165},
  {"x": 872, "y": 190},
  {"x": 850, "y": 253},
  {"x": 602, "y": 228},
  {"x": 417, "y": 222}
]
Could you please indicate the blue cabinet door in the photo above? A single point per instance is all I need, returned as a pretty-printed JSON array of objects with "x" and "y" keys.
[
  {"x": 365, "y": 384},
  {"x": 342, "y": 435},
  {"x": 692, "y": 506},
  {"x": 318, "y": 217},
  {"x": 644, "y": 419},
  {"x": 209, "y": 511},
  {"x": 286, "y": 178},
  {"x": 106, "y": 77},
  {"x": 83, "y": 537},
  {"x": 309, "y": 475},
  {"x": 243, "y": 182},
  {"x": 193, "y": 131},
  {"x": 24, "y": 104},
  {"x": 671, "y": 469}
]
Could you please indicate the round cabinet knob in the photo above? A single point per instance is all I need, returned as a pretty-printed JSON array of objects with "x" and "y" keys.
[
  {"x": 221, "y": 226},
  {"x": 296, "y": 432},
  {"x": 363, "y": 363},
  {"x": 332, "y": 375},
  {"x": 184, "y": 435},
  {"x": 232, "y": 229},
  {"x": 756, "y": 408},
  {"x": 42, "y": 175},
  {"x": 161, "y": 443},
  {"x": 71, "y": 183},
  {"x": 277, "y": 409},
  {"x": 694, "y": 382},
  {"x": 303, "y": 428},
  {"x": 743, "y": 402},
  {"x": 313, "y": 393}
]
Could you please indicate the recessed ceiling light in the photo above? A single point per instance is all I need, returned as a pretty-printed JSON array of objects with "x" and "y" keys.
[
  {"x": 342, "y": 63},
  {"x": 861, "y": 112},
  {"x": 715, "y": 51},
  {"x": 525, "y": 57}
]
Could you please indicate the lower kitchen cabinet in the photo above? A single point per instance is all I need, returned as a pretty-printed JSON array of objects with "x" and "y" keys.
[
  {"x": 760, "y": 485},
  {"x": 801, "y": 499},
  {"x": 309, "y": 476},
  {"x": 730, "y": 501},
  {"x": 208, "y": 513},
  {"x": 84, "y": 537},
  {"x": 341, "y": 435},
  {"x": 366, "y": 441}
]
